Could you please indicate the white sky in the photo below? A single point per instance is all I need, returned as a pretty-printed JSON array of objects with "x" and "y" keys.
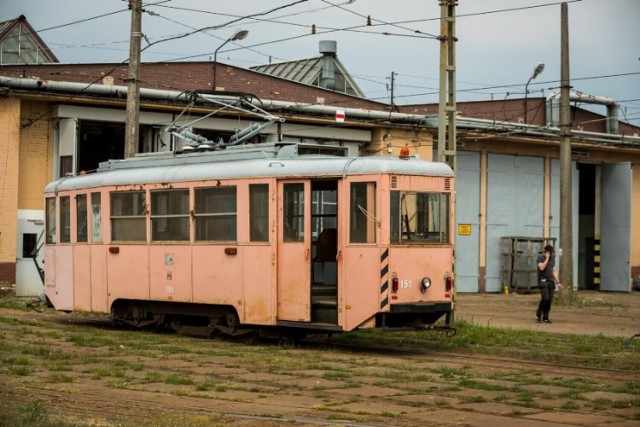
[{"x": 497, "y": 50}]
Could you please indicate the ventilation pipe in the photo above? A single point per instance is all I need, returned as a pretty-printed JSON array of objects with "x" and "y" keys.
[
  {"x": 328, "y": 49},
  {"x": 553, "y": 109}
]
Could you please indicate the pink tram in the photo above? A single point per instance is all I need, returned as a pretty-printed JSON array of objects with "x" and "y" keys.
[{"x": 272, "y": 237}]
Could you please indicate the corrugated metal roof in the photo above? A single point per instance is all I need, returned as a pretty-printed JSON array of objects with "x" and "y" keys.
[{"x": 308, "y": 71}]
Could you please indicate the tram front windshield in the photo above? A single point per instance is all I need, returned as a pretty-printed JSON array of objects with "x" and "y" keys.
[{"x": 419, "y": 218}]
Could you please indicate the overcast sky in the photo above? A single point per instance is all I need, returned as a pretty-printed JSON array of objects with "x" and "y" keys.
[{"x": 499, "y": 41}]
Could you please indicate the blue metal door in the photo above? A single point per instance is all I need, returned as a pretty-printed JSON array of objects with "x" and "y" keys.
[
  {"x": 468, "y": 213},
  {"x": 615, "y": 239}
]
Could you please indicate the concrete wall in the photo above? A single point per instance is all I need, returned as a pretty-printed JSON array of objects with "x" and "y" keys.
[{"x": 635, "y": 221}]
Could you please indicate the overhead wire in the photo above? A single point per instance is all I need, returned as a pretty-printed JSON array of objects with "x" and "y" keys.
[{"x": 354, "y": 28}]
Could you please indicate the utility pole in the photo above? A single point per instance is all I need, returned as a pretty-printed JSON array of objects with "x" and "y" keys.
[
  {"x": 393, "y": 75},
  {"x": 447, "y": 102},
  {"x": 133, "y": 81},
  {"x": 566, "y": 223}
]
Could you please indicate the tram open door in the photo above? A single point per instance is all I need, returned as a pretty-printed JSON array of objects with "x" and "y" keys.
[{"x": 307, "y": 251}]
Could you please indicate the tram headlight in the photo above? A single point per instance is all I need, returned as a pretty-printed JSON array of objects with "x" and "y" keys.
[{"x": 426, "y": 282}]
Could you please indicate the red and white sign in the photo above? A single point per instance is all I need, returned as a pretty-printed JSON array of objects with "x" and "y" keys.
[{"x": 340, "y": 116}]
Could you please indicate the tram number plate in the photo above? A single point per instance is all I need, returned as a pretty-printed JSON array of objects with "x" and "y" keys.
[
  {"x": 406, "y": 284},
  {"x": 169, "y": 289}
]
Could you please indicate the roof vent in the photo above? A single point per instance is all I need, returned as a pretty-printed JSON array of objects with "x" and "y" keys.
[{"x": 328, "y": 49}]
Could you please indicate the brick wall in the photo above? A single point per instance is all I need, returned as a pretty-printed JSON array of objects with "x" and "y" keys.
[
  {"x": 9, "y": 172},
  {"x": 35, "y": 161},
  {"x": 7, "y": 272}
]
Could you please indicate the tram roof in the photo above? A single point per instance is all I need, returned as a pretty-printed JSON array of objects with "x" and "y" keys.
[{"x": 302, "y": 167}]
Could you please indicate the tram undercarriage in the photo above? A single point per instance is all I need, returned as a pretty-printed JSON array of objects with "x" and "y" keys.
[{"x": 211, "y": 320}]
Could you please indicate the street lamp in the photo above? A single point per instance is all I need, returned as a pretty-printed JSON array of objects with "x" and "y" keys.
[
  {"x": 536, "y": 71},
  {"x": 238, "y": 35}
]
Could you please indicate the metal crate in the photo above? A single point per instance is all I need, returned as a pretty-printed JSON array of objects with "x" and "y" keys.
[{"x": 518, "y": 255}]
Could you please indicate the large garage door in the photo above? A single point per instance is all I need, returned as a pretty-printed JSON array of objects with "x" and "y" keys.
[
  {"x": 468, "y": 213},
  {"x": 515, "y": 205},
  {"x": 615, "y": 239}
]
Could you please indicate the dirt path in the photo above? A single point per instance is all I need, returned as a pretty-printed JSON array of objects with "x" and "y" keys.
[
  {"x": 606, "y": 313},
  {"x": 84, "y": 371}
]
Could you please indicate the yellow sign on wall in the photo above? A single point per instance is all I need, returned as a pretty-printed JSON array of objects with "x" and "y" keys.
[{"x": 464, "y": 229}]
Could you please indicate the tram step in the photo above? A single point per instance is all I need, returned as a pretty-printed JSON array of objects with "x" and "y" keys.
[{"x": 324, "y": 300}]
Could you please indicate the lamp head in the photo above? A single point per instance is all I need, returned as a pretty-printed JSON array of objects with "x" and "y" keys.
[
  {"x": 538, "y": 70},
  {"x": 239, "y": 35}
]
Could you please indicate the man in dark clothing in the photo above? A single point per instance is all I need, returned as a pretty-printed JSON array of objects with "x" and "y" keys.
[{"x": 547, "y": 279}]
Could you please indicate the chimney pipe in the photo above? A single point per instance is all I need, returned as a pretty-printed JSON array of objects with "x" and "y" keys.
[{"x": 328, "y": 49}]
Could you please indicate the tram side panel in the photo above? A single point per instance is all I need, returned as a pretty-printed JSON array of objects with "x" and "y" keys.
[
  {"x": 59, "y": 278},
  {"x": 217, "y": 277},
  {"x": 128, "y": 272},
  {"x": 259, "y": 291},
  {"x": 82, "y": 278},
  {"x": 170, "y": 273},
  {"x": 98, "y": 280}
]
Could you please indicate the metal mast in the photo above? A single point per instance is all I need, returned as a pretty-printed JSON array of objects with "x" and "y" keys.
[{"x": 447, "y": 103}]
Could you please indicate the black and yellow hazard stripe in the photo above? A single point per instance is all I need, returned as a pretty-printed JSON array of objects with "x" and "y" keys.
[
  {"x": 596, "y": 261},
  {"x": 384, "y": 279}
]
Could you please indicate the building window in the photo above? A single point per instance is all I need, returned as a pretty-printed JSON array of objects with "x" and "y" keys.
[
  {"x": 81, "y": 218},
  {"x": 29, "y": 245},
  {"x": 51, "y": 220},
  {"x": 96, "y": 218},
  {"x": 215, "y": 214},
  {"x": 170, "y": 215},
  {"x": 65, "y": 219},
  {"x": 128, "y": 216},
  {"x": 363, "y": 216},
  {"x": 259, "y": 212},
  {"x": 419, "y": 218}
]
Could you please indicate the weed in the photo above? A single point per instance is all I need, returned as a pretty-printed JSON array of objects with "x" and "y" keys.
[
  {"x": 178, "y": 380},
  {"x": 570, "y": 405},
  {"x": 20, "y": 370},
  {"x": 474, "y": 399},
  {"x": 61, "y": 378}
]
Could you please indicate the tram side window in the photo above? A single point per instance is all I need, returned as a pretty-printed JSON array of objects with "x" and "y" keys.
[
  {"x": 65, "y": 219},
  {"x": 81, "y": 218},
  {"x": 170, "y": 215},
  {"x": 259, "y": 212},
  {"x": 419, "y": 217},
  {"x": 51, "y": 220},
  {"x": 128, "y": 216},
  {"x": 293, "y": 213},
  {"x": 96, "y": 218},
  {"x": 216, "y": 214},
  {"x": 362, "y": 227}
]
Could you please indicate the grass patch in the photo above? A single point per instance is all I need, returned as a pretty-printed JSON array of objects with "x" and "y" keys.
[
  {"x": 33, "y": 414},
  {"x": 583, "y": 350},
  {"x": 577, "y": 300},
  {"x": 61, "y": 378},
  {"x": 178, "y": 380}
]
